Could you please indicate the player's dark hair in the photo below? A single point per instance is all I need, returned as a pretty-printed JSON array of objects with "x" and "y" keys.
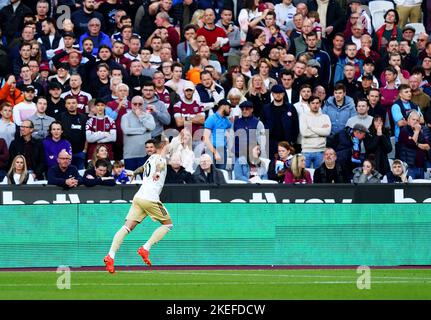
[{"x": 160, "y": 141}]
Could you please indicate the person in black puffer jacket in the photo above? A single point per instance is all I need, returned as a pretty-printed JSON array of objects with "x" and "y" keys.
[
  {"x": 207, "y": 173},
  {"x": 176, "y": 173}
]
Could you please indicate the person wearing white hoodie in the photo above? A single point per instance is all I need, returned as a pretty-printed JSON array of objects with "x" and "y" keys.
[
  {"x": 314, "y": 127},
  {"x": 284, "y": 12},
  {"x": 408, "y": 11}
]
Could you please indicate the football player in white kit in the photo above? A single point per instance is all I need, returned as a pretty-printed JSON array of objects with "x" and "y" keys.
[{"x": 146, "y": 202}]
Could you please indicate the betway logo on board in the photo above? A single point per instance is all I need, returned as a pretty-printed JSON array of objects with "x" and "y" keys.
[
  {"x": 267, "y": 197},
  {"x": 58, "y": 198}
]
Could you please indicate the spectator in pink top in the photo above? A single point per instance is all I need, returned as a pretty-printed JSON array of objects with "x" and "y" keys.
[{"x": 297, "y": 174}]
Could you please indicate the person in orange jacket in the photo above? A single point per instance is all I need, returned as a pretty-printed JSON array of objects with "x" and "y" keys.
[{"x": 10, "y": 93}]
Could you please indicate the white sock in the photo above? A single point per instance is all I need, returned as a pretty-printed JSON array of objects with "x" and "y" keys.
[
  {"x": 118, "y": 239},
  {"x": 157, "y": 235}
]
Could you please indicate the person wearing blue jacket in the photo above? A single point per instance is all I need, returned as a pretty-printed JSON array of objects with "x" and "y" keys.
[
  {"x": 350, "y": 51},
  {"x": 320, "y": 55},
  {"x": 99, "y": 38},
  {"x": 339, "y": 108}
]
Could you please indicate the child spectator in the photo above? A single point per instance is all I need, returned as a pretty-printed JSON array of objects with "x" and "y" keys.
[
  {"x": 315, "y": 22},
  {"x": 119, "y": 172},
  {"x": 194, "y": 73},
  {"x": 276, "y": 38}
]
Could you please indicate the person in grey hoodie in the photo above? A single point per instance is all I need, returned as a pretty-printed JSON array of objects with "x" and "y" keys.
[
  {"x": 366, "y": 174},
  {"x": 137, "y": 126},
  {"x": 156, "y": 108}
]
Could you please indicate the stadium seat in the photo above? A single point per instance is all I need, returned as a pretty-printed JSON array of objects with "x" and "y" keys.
[
  {"x": 236, "y": 181},
  {"x": 81, "y": 172},
  {"x": 419, "y": 27},
  {"x": 421, "y": 181},
  {"x": 136, "y": 181},
  {"x": 311, "y": 170},
  {"x": 40, "y": 182},
  {"x": 267, "y": 182},
  {"x": 377, "y": 9},
  {"x": 225, "y": 174},
  {"x": 392, "y": 153}
]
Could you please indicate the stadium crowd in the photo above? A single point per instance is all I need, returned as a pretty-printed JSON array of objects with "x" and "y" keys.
[{"x": 302, "y": 91}]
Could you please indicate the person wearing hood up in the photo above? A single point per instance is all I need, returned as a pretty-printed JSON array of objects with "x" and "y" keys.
[{"x": 398, "y": 173}]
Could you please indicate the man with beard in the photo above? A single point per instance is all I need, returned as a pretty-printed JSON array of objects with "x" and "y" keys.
[
  {"x": 188, "y": 112},
  {"x": 350, "y": 58},
  {"x": 136, "y": 80},
  {"x": 155, "y": 107},
  {"x": 209, "y": 92},
  {"x": 74, "y": 131},
  {"x": 81, "y": 17},
  {"x": 51, "y": 38},
  {"x": 215, "y": 133},
  {"x": 321, "y": 56},
  {"x": 299, "y": 79},
  {"x": 56, "y": 104},
  {"x": 165, "y": 94}
]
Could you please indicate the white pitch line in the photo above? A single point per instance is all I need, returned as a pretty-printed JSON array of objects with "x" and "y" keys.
[
  {"x": 163, "y": 272},
  {"x": 149, "y": 284},
  {"x": 281, "y": 275}
]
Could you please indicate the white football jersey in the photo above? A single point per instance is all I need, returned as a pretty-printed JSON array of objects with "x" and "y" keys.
[{"x": 150, "y": 189}]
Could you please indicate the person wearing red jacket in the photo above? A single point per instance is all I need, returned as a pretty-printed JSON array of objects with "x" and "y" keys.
[
  {"x": 10, "y": 93},
  {"x": 216, "y": 37}
]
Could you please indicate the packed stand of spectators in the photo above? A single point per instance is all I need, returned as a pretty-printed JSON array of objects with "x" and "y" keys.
[{"x": 283, "y": 91}]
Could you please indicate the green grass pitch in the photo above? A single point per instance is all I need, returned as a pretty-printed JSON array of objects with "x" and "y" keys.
[{"x": 272, "y": 284}]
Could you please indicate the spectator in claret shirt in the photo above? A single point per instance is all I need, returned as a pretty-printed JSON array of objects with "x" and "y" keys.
[
  {"x": 162, "y": 20},
  {"x": 100, "y": 130}
]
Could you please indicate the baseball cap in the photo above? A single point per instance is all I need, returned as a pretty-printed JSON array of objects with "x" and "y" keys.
[
  {"x": 409, "y": 28},
  {"x": 224, "y": 102},
  {"x": 69, "y": 34},
  {"x": 29, "y": 88},
  {"x": 354, "y": 1},
  {"x": 246, "y": 104},
  {"x": 313, "y": 63},
  {"x": 189, "y": 86},
  {"x": 277, "y": 89},
  {"x": 360, "y": 127}
]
